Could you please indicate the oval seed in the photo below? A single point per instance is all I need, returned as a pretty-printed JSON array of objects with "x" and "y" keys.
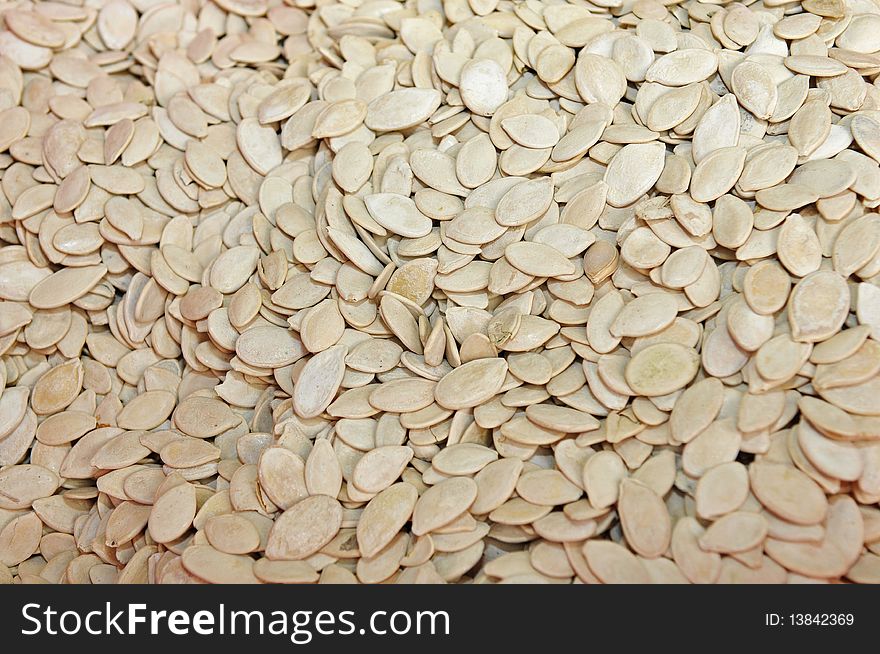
[
  {"x": 788, "y": 492},
  {"x": 458, "y": 266},
  {"x": 661, "y": 369},
  {"x": 381, "y": 467},
  {"x": 384, "y": 516},
  {"x": 172, "y": 513},
  {"x": 644, "y": 519},
  {"x": 443, "y": 503},
  {"x": 304, "y": 528},
  {"x": 471, "y": 384}
]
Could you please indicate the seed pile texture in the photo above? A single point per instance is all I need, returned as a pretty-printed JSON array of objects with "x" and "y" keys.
[{"x": 471, "y": 291}]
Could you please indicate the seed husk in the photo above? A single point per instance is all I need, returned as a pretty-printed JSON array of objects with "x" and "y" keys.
[
  {"x": 289, "y": 294},
  {"x": 304, "y": 529}
]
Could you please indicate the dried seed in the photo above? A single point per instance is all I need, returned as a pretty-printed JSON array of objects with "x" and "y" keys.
[
  {"x": 443, "y": 503},
  {"x": 818, "y": 305},
  {"x": 382, "y": 294},
  {"x": 614, "y": 564},
  {"x": 661, "y": 369},
  {"x": 483, "y": 86},
  {"x": 319, "y": 380},
  {"x": 644, "y": 519},
  {"x": 217, "y": 567},
  {"x": 384, "y": 517},
  {"x": 401, "y": 109},
  {"x": 471, "y": 384},
  {"x": 788, "y": 492},
  {"x": 172, "y": 513},
  {"x": 381, "y": 467},
  {"x": 304, "y": 528},
  {"x": 735, "y": 532}
]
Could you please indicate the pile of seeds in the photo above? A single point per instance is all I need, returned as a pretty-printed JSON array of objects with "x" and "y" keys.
[{"x": 490, "y": 291}]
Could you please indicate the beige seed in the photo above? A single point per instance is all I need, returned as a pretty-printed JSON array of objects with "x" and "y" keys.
[
  {"x": 401, "y": 109},
  {"x": 476, "y": 161},
  {"x": 57, "y": 388},
  {"x": 614, "y": 564},
  {"x": 483, "y": 86},
  {"x": 547, "y": 488},
  {"x": 443, "y": 503},
  {"x": 856, "y": 244},
  {"x": 20, "y": 538},
  {"x": 20, "y": 485},
  {"x": 722, "y": 489},
  {"x": 384, "y": 516},
  {"x": 172, "y": 513},
  {"x": 788, "y": 492},
  {"x": 471, "y": 384},
  {"x": 319, "y": 380},
  {"x": 268, "y": 347},
  {"x": 188, "y": 453},
  {"x": 217, "y": 567},
  {"x": 146, "y": 411},
  {"x": 323, "y": 475},
  {"x": 258, "y": 145},
  {"x": 697, "y": 407},
  {"x": 524, "y": 202},
  {"x": 398, "y": 214},
  {"x": 683, "y": 267},
  {"x": 205, "y": 164},
  {"x": 304, "y": 528},
  {"x": 699, "y": 566},
  {"x": 531, "y": 131},
  {"x": 766, "y": 287},
  {"x": 717, "y": 444},
  {"x": 463, "y": 459},
  {"x": 798, "y": 247},
  {"x": 282, "y": 476},
  {"x": 274, "y": 308},
  {"x": 538, "y": 260},
  {"x": 232, "y": 534},
  {"x": 560, "y": 418},
  {"x": 599, "y": 79},
  {"x": 717, "y": 173},
  {"x": 203, "y": 417},
  {"x": 661, "y": 369},
  {"x": 65, "y": 286},
  {"x": 644, "y": 519},
  {"x": 603, "y": 473},
  {"x": 754, "y": 88},
  {"x": 645, "y": 315},
  {"x": 818, "y": 305},
  {"x": 682, "y": 67},
  {"x": 379, "y": 468},
  {"x": 495, "y": 484},
  {"x": 284, "y": 572},
  {"x": 65, "y": 427},
  {"x": 403, "y": 395},
  {"x": 632, "y": 172},
  {"x": 735, "y": 532},
  {"x": 835, "y": 459}
]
